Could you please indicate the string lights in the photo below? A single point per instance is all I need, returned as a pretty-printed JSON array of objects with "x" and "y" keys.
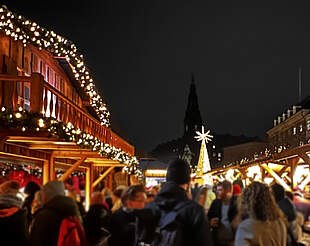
[
  {"x": 24, "y": 30},
  {"x": 30, "y": 121},
  {"x": 28, "y": 32}
]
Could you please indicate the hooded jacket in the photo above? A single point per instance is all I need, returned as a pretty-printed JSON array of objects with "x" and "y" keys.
[
  {"x": 191, "y": 215},
  {"x": 12, "y": 221},
  {"x": 47, "y": 221}
]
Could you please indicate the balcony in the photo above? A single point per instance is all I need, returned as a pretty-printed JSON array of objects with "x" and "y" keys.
[{"x": 45, "y": 99}]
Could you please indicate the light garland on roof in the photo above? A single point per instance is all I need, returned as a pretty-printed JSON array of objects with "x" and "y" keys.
[
  {"x": 28, "y": 32},
  {"x": 28, "y": 121}
]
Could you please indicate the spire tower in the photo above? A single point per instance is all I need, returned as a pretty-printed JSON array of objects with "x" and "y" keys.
[{"x": 192, "y": 120}]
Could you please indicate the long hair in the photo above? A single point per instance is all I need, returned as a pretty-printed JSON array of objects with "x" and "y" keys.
[{"x": 258, "y": 202}]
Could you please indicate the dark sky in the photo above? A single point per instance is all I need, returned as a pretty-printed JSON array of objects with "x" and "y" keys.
[{"x": 245, "y": 58}]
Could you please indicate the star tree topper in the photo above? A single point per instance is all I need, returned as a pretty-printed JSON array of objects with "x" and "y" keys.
[{"x": 203, "y": 136}]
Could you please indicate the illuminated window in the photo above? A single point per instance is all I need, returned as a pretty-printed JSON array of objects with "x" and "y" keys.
[
  {"x": 300, "y": 128},
  {"x": 294, "y": 131}
]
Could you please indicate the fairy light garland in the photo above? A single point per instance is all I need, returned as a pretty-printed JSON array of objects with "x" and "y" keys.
[
  {"x": 28, "y": 32},
  {"x": 29, "y": 121}
]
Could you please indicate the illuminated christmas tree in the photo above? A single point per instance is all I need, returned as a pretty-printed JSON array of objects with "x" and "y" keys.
[{"x": 203, "y": 165}]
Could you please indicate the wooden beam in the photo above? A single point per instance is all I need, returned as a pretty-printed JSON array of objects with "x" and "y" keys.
[
  {"x": 97, "y": 181},
  {"x": 7, "y": 77},
  {"x": 117, "y": 164},
  {"x": 54, "y": 147},
  {"x": 71, "y": 169},
  {"x": 21, "y": 157},
  {"x": 276, "y": 177}
]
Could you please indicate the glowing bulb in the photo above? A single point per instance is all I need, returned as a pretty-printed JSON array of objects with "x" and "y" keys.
[
  {"x": 18, "y": 115},
  {"x": 41, "y": 123}
]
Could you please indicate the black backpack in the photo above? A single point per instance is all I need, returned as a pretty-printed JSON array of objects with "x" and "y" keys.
[{"x": 155, "y": 227}]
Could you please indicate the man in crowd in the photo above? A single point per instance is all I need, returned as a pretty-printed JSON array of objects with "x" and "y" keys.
[
  {"x": 218, "y": 215},
  {"x": 189, "y": 215},
  {"x": 123, "y": 220}
]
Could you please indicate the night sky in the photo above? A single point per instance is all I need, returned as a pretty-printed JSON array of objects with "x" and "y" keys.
[{"x": 245, "y": 58}]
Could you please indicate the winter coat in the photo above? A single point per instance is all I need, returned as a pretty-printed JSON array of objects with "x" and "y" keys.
[
  {"x": 13, "y": 226},
  {"x": 97, "y": 224},
  {"x": 261, "y": 233},
  {"x": 222, "y": 234},
  {"x": 122, "y": 228},
  {"x": 192, "y": 216},
  {"x": 46, "y": 223}
]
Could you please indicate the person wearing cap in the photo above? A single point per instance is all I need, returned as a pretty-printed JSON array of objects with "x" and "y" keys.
[
  {"x": 46, "y": 224},
  {"x": 13, "y": 224},
  {"x": 173, "y": 194}
]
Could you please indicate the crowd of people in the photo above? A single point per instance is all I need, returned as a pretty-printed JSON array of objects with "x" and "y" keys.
[{"x": 173, "y": 214}]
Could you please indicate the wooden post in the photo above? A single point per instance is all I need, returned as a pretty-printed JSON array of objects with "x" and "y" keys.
[
  {"x": 293, "y": 164},
  {"x": 51, "y": 167},
  {"x": 88, "y": 185},
  {"x": 36, "y": 93},
  {"x": 45, "y": 171}
]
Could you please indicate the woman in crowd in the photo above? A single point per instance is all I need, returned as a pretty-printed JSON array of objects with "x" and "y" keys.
[
  {"x": 13, "y": 224},
  {"x": 265, "y": 223}
]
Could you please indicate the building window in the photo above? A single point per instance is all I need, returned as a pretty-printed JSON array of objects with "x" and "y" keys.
[
  {"x": 294, "y": 131},
  {"x": 213, "y": 146},
  {"x": 300, "y": 128},
  {"x": 219, "y": 154},
  {"x": 214, "y": 154}
]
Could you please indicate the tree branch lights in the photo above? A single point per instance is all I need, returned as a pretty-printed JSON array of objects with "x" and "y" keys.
[
  {"x": 25, "y": 120},
  {"x": 28, "y": 32}
]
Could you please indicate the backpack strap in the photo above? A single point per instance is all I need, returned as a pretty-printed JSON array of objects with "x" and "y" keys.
[{"x": 172, "y": 215}]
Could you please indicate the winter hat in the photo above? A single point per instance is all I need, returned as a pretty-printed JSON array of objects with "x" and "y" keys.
[
  {"x": 236, "y": 189},
  {"x": 178, "y": 172},
  {"x": 9, "y": 187},
  {"x": 54, "y": 188},
  {"x": 278, "y": 192}
]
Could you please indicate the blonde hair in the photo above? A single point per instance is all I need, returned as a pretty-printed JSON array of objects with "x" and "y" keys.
[{"x": 258, "y": 202}]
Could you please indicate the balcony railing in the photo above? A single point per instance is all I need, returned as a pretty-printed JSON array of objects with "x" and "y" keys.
[{"x": 47, "y": 100}]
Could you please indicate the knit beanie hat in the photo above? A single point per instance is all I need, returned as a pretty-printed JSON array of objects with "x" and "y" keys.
[
  {"x": 178, "y": 172},
  {"x": 236, "y": 189},
  {"x": 54, "y": 188},
  {"x": 9, "y": 187}
]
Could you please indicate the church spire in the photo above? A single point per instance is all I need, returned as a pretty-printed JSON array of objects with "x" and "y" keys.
[{"x": 192, "y": 120}]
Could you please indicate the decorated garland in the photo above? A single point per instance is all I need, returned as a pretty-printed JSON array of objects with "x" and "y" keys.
[
  {"x": 29, "y": 121},
  {"x": 28, "y": 32}
]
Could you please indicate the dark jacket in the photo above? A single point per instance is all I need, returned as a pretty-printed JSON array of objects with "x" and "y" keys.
[
  {"x": 46, "y": 224},
  {"x": 192, "y": 216},
  {"x": 288, "y": 209},
  {"x": 97, "y": 224},
  {"x": 13, "y": 226},
  {"x": 122, "y": 228},
  {"x": 215, "y": 210}
]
